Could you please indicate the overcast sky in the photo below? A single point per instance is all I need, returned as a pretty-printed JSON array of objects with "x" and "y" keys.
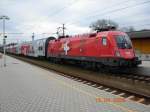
[{"x": 44, "y": 16}]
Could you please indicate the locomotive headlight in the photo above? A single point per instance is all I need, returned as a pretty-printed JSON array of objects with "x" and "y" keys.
[{"x": 117, "y": 53}]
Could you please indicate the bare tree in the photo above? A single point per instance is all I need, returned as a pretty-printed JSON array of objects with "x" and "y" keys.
[
  {"x": 127, "y": 29},
  {"x": 103, "y": 24}
]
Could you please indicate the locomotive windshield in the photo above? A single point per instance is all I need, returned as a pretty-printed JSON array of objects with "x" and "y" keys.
[{"x": 123, "y": 42}]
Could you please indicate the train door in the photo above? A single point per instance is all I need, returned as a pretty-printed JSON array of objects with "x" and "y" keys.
[
  {"x": 104, "y": 47},
  {"x": 41, "y": 47},
  {"x": 24, "y": 50},
  {"x": 35, "y": 47}
]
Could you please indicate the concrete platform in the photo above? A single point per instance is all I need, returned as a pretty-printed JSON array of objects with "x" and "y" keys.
[
  {"x": 27, "y": 88},
  {"x": 145, "y": 64}
]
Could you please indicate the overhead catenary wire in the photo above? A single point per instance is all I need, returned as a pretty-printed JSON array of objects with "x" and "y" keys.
[
  {"x": 134, "y": 22},
  {"x": 145, "y": 24},
  {"x": 75, "y": 1},
  {"x": 115, "y": 10},
  {"x": 62, "y": 9},
  {"x": 20, "y": 40},
  {"x": 116, "y": 4},
  {"x": 112, "y": 11}
]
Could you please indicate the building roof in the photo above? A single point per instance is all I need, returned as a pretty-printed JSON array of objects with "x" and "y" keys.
[{"x": 139, "y": 34}]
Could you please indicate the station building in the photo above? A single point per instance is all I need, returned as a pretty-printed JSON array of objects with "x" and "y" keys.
[{"x": 141, "y": 43}]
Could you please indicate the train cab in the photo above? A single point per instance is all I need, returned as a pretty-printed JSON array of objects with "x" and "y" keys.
[{"x": 123, "y": 49}]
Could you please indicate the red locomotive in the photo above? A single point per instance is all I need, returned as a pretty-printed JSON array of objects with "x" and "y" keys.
[
  {"x": 106, "y": 48},
  {"x": 111, "y": 48}
]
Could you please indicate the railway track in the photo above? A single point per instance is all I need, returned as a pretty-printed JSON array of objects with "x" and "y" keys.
[
  {"x": 129, "y": 86},
  {"x": 135, "y": 77}
]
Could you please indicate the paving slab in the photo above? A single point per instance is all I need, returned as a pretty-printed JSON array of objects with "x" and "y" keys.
[{"x": 28, "y": 88}]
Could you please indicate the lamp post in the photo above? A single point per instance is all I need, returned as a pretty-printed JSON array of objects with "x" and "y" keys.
[{"x": 4, "y": 37}]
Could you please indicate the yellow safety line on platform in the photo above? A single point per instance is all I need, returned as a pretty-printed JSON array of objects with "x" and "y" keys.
[{"x": 91, "y": 95}]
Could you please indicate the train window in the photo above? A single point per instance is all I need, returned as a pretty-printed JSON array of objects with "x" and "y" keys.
[
  {"x": 123, "y": 42},
  {"x": 40, "y": 48},
  {"x": 104, "y": 41}
]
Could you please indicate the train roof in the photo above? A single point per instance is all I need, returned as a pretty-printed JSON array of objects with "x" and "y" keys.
[{"x": 102, "y": 33}]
